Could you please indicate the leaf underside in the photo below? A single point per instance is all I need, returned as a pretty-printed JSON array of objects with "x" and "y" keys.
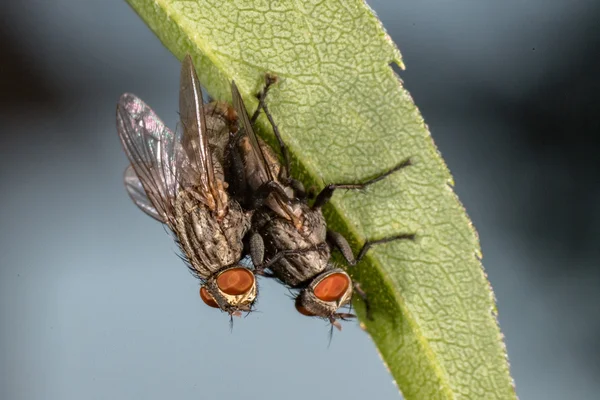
[{"x": 345, "y": 116}]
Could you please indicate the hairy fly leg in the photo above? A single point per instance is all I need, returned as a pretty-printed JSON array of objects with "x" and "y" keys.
[
  {"x": 271, "y": 79},
  {"x": 284, "y": 173},
  {"x": 358, "y": 290},
  {"x": 257, "y": 249},
  {"x": 325, "y": 195},
  {"x": 339, "y": 242}
]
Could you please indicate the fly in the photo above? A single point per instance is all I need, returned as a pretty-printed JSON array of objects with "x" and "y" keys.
[
  {"x": 178, "y": 179},
  {"x": 290, "y": 237}
]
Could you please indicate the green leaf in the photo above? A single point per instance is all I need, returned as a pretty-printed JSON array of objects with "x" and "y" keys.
[{"x": 345, "y": 116}]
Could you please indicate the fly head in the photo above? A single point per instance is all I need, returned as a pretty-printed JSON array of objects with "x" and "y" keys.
[
  {"x": 325, "y": 294},
  {"x": 232, "y": 289}
]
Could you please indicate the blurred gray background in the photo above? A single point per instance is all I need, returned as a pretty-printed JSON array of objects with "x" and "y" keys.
[{"x": 94, "y": 304}]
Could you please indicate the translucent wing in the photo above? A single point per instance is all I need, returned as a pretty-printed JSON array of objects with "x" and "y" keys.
[
  {"x": 195, "y": 139},
  {"x": 138, "y": 194},
  {"x": 255, "y": 149},
  {"x": 255, "y": 157},
  {"x": 154, "y": 153}
]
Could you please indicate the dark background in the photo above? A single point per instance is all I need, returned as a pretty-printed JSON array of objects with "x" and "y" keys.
[{"x": 94, "y": 303}]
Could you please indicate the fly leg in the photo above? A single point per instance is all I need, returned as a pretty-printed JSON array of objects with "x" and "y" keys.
[
  {"x": 270, "y": 80},
  {"x": 262, "y": 95},
  {"x": 257, "y": 248},
  {"x": 284, "y": 173},
  {"x": 325, "y": 195},
  {"x": 257, "y": 254},
  {"x": 369, "y": 243},
  {"x": 358, "y": 290},
  {"x": 338, "y": 241}
]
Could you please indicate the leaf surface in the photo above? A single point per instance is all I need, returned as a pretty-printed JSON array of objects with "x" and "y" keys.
[{"x": 345, "y": 116}]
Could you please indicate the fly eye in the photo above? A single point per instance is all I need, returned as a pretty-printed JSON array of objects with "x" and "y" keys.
[
  {"x": 303, "y": 310},
  {"x": 207, "y": 298},
  {"x": 235, "y": 281},
  {"x": 332, "y": 287}
]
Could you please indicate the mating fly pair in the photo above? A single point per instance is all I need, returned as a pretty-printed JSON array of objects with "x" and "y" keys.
[{"x": 218, "y": 187}]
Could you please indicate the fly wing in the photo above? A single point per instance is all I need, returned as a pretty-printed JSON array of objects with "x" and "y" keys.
[
  {"x": 255, "y": 149},
  {"x": 154, "y": 153},
  {"x": 254, "y": 156},
  {"x": 137, "y": 193},
  {"x": 195, "y": 143}
]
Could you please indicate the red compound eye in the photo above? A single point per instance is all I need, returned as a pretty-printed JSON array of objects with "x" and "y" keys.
[
  {"x": 236, "y": 281},
  {"x": 333, "y": 287},
  {"x": 207, "y": 298}
]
